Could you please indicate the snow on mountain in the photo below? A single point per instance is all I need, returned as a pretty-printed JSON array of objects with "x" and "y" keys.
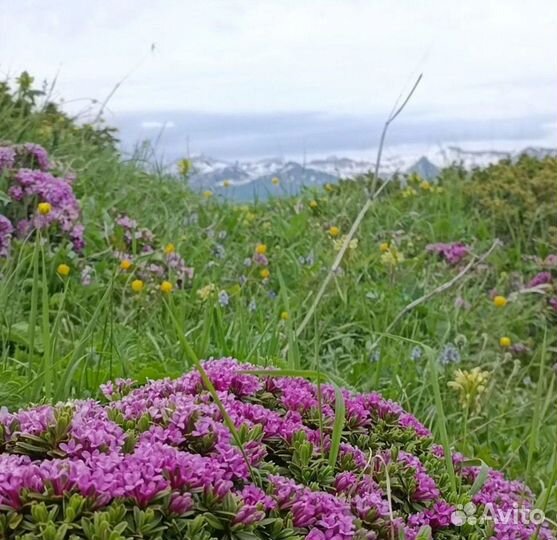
[{"x": 257, "y": 175}]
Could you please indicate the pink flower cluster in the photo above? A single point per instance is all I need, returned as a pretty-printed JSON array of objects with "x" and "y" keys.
[
  {"x": 451, "y": 253},
  {"x": 165, "y": 444},
  {"x": 30, "y": 181}
]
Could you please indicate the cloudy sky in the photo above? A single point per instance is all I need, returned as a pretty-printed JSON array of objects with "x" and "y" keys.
[{"x": 233, "y": 70}]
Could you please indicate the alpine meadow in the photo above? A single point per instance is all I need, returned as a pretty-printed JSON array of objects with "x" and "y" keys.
[{"x": 166, "y": 371}]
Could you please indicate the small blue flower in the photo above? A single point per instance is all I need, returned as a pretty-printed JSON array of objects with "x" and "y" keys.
[
  {"x": 224, "y": 299},
  {"x": 416, "y": 353},
  {"x": 449, "y": 355}
]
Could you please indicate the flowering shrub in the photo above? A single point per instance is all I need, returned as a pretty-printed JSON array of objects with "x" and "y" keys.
[
  {"x": 26, "y": 169},
  {"x": 158, "y": 462},
  {"x": 514, "y": 194}
]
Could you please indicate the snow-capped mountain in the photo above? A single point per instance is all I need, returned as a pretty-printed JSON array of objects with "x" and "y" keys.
[{"x": 249, "y": 178}]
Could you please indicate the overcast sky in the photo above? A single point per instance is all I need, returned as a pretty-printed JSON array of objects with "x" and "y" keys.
[{"x": 489, "y": 60}]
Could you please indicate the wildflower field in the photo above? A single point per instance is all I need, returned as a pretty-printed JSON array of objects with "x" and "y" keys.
[{"x": 421, "y": 388}]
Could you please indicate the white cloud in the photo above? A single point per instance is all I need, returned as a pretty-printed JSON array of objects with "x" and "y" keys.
[
  {"x": 481, "y": 58},
  {"x": 155, "y": 124}
]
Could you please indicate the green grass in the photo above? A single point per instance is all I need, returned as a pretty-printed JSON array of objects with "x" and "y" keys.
[{"x": 61, "y": 339}]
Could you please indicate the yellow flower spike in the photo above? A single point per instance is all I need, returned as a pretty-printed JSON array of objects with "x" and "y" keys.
[
  {"x": 470, "y": 385},
  {"x": 261, "y": 249},
  {"x": 226, "y": 184},
  {"x": 500, "y": 301},
  {"x": 275, "y": 181},
  {"x": 125, "y": 265},
  {"x": 329, "y": 188},
  {"x": 384, "y": 247},
  {"x": 205, "y": 292},
  {"x": 166, "y": 287},
  {"x": 334, "y": 231},
  {"x": 313, "y": 204},
  {"x": 63, "y": 270},
  {"x": 285, "y": 315},
  {"x": 425, "y": 185},
  {"x": 137, "y": 285},
  {"x": 169, "y": 248},
  {"x": 44, "y": 208},
  {"x": 184, "y": 166},
  {"x": 505, "y": 341},
  {"x": 207, "y": 194},
  {"x": 265, "y": 274}
]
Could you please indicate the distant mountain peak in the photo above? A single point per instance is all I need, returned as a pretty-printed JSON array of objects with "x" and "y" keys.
[{"x": 255, "y": 177}]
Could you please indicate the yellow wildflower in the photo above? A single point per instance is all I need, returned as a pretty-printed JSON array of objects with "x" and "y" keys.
[
  {"x": 384, "y": 247},
  {"x": 408, "y": 192},
  {"x": 63, "y": 270},
  {"x": 285, "y": 315},
  {"x": 329, "y": 188},
  {"x": 169, "y": 248},
  {"x": 265, "y": 274},
  {"x": 334, "y": 231},
  {"x": 313, "y": 204},
  {"x": 207, "y": 194},
  {"x": 44, "y": 208},
  {"x": 505, "y": 341},
  {"x": 226, "y": 184},
  {"x": 275, "y": 181},
  {"x": 184, "y": 166},
  {"x": 425, "y": 185},
  {"x": 125, "y": 265},
  {"x": 137, "y": 285},
  {"x": 339, "y": 242},
  {"x": 261, "y": 249},
  {"x": 392, "y": 257},
  {"x": 470, "y": 385},
  {"x": 166, "y": 287},
  {"x": 205, "y": 292},
  {"x": 500, "y": 301}
]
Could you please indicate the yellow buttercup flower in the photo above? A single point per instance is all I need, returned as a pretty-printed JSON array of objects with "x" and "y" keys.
[
  {"x": 329, "y": 187},
  {"x": 207, "y": 194},
  {"x": 384, "y": 247},
  {"x": 265, "y": 274},
  {"x": 44, "y": 208},
  {"x": 125, "y": 265},
  {"x": 166, "y": 287},
  {"x": 137, "y": 285},
  {"x": 505, "y": 341},
  {"x": 63, "y": 270},
  {"x": 470, "y": 385},
  {"x": 334, "y": 231},
  {"x": 261, "y": 249},
  {"x": 285, "y": 315},
  {"x": 313, "y": 204},
  {"x": 500, "y": 301},
  {"x": 226, "y": 184},
  {"x": 275, "y": 181},
  {"x": 169, "y": 248}
]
